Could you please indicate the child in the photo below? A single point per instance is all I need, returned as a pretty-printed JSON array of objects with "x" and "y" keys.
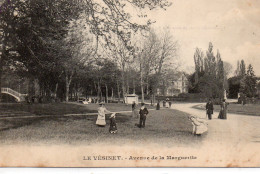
[
  {"x": 199, "y": 126},
  {"x": 143, "y": 113},
  {"x": 113, "y": 128}
]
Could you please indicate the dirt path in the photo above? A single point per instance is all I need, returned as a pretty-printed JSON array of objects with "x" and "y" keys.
[{"x": 235, "y": 130}]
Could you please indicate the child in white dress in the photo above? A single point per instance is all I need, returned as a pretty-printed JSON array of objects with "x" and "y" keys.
[{"x": 199, "y": 125}]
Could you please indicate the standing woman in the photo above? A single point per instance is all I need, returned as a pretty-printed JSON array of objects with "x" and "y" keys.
[
  {"x": 223, "y": 110},
  {"x": 102, "y": 111},
  {"x": 134, "y": 114}
]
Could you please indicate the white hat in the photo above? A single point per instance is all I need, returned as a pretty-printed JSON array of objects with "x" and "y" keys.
[{"x": 113, "y": 115}]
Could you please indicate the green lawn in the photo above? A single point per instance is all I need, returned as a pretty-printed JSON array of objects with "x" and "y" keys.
[
  {"x": 248, "y": 109},
  {"x": 58, "y": 108},
  {"x": 166, "y": 127}
]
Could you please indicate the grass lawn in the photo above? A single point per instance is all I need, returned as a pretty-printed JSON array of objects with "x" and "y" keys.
[
  {"x": 165, "y": 127},
  {"x": 59, "y": 108},
  {"x": 248, "y": 109}
]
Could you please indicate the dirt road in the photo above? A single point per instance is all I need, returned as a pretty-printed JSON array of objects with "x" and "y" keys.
[{"x": 235, "y": 130}]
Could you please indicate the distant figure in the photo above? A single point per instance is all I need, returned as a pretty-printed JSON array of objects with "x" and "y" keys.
[
  {"x": 209, "y": 109},
  {"x": 143, "y": 113},
  {"x": 199, "y": 125},
  {"x": 102, "y": 111},
  {"x": 158, "y": 105},
  {"x": 170, "y": 104},
  {"x": 134, "y": 113},
  {"x": 164, "y": 103},
  {"x": 113, "y": 127},
  {"x": 167, "y": 104},
  {"x": 223, "y": 110}
]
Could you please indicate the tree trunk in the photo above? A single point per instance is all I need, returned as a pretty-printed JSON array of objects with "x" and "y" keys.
[
  {"x": 31, "y": 87},
  {"x": 56, "y": 90},
  {"x": 127, "y": 82},
  {"x": 1, "y": 70},
  {"x": 68, "y": 79},
  {"x": 123, "y": 90},
  {"x": 147, "y": 86},
  {"x": 118, "y": 90},
  {"x": 133, "y": 86},
  {"x": 106, "y": 94},
  {"x": 123, "y": 83},
  {"x": 2, "y": 60},
  {"x": 112, "y": 93},
  {"x": 142, "y": 85},
  {"x": 99, "y": 91},
  {"x": 154, "y": 88},
  {"x": 67, "y": 89}
]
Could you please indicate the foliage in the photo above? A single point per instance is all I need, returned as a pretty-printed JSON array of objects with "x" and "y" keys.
[
  {"x": 209, "y": 77},
  {"x": 248, "y": 83},
  {"x": 52, "y": 41}
]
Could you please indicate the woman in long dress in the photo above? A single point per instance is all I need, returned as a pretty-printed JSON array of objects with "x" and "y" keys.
[
  {"x": 102, "y": 111},
  {"x": 223, "y": 110}
]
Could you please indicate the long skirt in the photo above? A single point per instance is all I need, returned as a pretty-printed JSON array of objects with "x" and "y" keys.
[
  {"x": 222, "y": 114},
  {"x": 135, "y": 113},
  {"x": 101, "y": 121}
]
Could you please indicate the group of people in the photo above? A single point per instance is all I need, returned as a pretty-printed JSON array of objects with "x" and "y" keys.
[
  {"x": 102, "y": 111},
  {"x": 200, "y": 125},
  {"x": 223, "y": 109},
  {"x": 101, "y": 119}
]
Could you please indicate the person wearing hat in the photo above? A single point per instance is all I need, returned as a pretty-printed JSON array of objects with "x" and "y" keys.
[
  {"x": 199, "y": 125},
  {"x": 134, "y": 110},
  {"x": 113, "y": 127},
  {"x": 209, "y": 109},
  {"x": 143, "y": 113},
  {"x": 102, "y": 111}
]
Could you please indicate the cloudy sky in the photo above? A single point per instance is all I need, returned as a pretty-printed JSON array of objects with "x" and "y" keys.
[{"x": 233, "y": 26}]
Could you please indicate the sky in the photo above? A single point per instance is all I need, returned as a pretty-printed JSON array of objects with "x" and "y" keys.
[{"x": 233, "y": 27}]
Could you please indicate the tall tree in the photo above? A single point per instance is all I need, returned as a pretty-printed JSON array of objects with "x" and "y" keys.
[
  {"x": 210, "y": 76},
  {"x": 199, "y": 66},
  {"x": 248, "y": 83},
  {"x": 242, "y": 68}
]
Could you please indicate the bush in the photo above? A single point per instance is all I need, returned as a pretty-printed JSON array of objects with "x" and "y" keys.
[{"x": 183, "y": 95}]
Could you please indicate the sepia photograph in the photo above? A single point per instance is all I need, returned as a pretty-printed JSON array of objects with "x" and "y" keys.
[{"x": 129, "y": 83}]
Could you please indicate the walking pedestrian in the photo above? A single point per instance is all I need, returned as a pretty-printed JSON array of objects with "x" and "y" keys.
[
  {"x": 223, "y": 110},
  {"x": 164, "y": 103},
  {"x": 134, "y": 114},
  {"x": 158, "y": 105},
  {"x": 209, "y": 109},
  {"x": 170, "y": 104}
]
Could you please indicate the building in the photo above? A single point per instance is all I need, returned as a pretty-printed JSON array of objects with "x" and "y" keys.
[
  {"x": 130, "y": 98},
  {"x": 175, "y": 85}
]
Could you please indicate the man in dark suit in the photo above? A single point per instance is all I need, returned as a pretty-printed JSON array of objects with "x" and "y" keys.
[
  {"x": 143, "y": 113},
  {"x": 209, "y": 108}
]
